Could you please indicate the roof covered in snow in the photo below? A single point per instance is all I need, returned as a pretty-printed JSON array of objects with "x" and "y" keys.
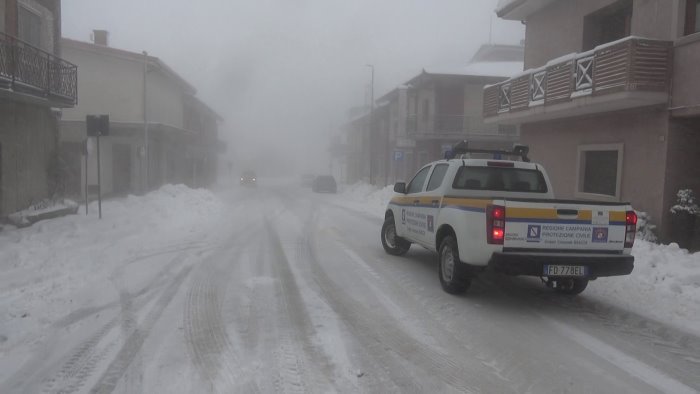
[
  {"x": 481, "y": 69},
  {"x": 519, "y": 9}
]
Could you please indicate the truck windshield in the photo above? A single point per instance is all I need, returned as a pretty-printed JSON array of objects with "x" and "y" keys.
[{"x": 504, "y": 179}]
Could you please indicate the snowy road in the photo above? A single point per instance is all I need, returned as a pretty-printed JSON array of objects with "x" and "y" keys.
[{"x": 295, "y": 294}]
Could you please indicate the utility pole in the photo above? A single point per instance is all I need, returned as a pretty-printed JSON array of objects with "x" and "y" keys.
[
  {"x": 371, "y": 126},
  {"x": 146, "y": 138}
]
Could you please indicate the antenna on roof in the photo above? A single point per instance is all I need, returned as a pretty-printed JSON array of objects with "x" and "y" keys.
[{"x": 491, "y": 30}]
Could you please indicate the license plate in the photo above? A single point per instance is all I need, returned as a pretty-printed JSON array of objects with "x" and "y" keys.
[{"x": 565, "y": 270}]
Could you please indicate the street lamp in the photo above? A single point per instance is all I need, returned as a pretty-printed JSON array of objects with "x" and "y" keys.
[{"x": 371, "y": 124}]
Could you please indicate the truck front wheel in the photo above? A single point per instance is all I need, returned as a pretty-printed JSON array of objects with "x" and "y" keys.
[
  {"x": 392, "y": 243},
  {"x": 449, "y": 268}
]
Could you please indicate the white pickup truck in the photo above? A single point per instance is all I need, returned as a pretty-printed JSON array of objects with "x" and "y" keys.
[{"x": 481, "y": 213}]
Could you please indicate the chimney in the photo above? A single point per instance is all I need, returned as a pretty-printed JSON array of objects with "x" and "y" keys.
[{"x": 100, "y": 37}]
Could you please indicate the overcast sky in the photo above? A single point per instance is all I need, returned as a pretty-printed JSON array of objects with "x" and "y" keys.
[{"x": 283, "y": 72}]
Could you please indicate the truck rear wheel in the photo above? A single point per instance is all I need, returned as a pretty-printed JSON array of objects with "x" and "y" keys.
[
  {"x": 571, "y": 286},
  {"x": 392, "y": 243},
  {"x": 449, "y": 268}
]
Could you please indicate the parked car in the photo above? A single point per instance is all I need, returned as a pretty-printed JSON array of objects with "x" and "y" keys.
[
  {"x": 501, "y": 214},
  {"x": 248, "y": 178},
  {"x": 324, "y": 184}
]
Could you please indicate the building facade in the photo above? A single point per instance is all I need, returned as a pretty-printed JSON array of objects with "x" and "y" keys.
[
  {"x": 610, "y": 101},
  {"x": 160, "y": 132},
  {"x": 35, "y": 84},
  {"x": 420, "y": 120}
]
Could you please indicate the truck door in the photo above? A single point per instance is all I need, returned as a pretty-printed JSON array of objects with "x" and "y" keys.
[
  {"x": 431, "y": 201},
  {"x": 409, "y": 224}
]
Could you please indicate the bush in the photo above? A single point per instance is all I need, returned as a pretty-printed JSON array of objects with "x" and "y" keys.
[
  {"x": 685, "y": 203},
  {"x": 645, "y": 230}
]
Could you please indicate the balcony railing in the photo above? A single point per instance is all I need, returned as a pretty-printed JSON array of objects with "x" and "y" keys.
[
  {"x": 29, "y": 70},
  {"x": 628, "y": 65}
]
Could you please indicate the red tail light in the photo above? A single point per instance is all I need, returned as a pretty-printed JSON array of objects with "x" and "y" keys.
[
  {"x": 630, "y": 228},
  {"x": 495, "y": 224}
]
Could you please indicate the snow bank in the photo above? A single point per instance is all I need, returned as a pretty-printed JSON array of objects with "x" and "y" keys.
[
  {"x": 367, "y": 198},
  {"x": 46, "y": 209},
  {"x": 664, "y": 285},
  {"x": 58, "y": 266},
  {"x": 171, "y": 208}
]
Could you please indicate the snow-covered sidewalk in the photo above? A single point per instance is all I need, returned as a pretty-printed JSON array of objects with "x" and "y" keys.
[
  {"x": 58, "y": 266},
  {"x": 665, "y": 283}
]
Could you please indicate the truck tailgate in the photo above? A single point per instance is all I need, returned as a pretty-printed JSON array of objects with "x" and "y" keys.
[{"x": 556, "y": 225}]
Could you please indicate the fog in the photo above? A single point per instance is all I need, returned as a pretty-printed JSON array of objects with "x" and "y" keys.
[{"x": 283, "y": 73}]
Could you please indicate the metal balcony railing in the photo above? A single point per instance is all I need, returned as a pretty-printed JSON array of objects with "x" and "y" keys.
[
  {"x": 631, "y": 64},
  {"x": 29, "y": 70}
]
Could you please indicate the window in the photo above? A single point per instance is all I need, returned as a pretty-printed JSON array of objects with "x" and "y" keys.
[
  {"x": 503, "y": 179},
  {"x": 29, "y": 27},
  {"x": 426, "y": 110},
  {"x": 692, "y": 16},
  {"x": 608, "y": 24},
  {"x": 600, "y": 168},
  {"x": 437, "y": 177},
  {"x": 416, "y": 185}
]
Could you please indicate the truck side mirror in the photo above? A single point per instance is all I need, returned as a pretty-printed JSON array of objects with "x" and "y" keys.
[{"x": 400, "y": 187}]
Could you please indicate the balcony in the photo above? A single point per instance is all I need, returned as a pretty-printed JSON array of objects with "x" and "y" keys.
[
  {"x": 629, "y": 73},
  {"x": 454, "y": 127},
  {"x": 36, "y": 75}
]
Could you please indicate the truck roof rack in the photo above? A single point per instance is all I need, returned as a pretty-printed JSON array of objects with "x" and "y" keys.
[{"x": 462, "y": 149}]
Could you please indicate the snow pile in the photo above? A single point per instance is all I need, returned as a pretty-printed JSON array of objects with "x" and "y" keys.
[
  {"x": 367, "y": 198},
  {"x": 664, "y": 285},
  {"x": 45, "y": 209},
  {"x": 58, "y": 266}
]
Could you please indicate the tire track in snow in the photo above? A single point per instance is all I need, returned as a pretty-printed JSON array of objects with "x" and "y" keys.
[
  {"x": 399, "y": 377},
  {"x": 132, "y": 345},
  {"x": 388, "y": 334},
  {"x": 89, "y": 355},
  {"x": 205, "y": 331},
  {"x": 295, "y": 330}
]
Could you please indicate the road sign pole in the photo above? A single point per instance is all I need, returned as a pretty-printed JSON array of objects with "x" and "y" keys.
[
  {"x": 98, "y": 126},
  {"x": 99, "y": 180}
]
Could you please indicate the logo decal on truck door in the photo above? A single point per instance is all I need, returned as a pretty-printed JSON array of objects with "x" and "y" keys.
[
  {"x": 431, "y": 223},
  {"x": 534, "y": 233}
]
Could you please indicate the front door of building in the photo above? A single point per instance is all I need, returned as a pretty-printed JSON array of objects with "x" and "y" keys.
[{"x": 121, "y": 168}]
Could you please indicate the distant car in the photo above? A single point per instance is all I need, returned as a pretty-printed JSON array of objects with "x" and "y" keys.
[
  {"x": 307, "y": 180},
  {"x": 324, "y": 184},
  {"x": 248, "y": 178}
]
